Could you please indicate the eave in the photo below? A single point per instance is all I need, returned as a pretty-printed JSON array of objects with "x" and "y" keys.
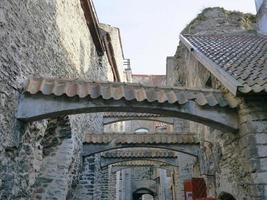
[{"x": 93, "y": 25}]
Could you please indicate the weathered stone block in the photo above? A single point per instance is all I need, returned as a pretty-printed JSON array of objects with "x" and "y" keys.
[
  {"x": 261, "y": 138},
  {"x": 259, "y": 177},
  {"x": 262, "y": 151}
]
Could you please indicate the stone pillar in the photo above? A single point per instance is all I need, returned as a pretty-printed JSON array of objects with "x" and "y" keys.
[
  {"x": 253, "y": 144},
  {"x": 85, "y": 187},
  {"x": 112, "y": 184},
  {"x": 101, "y": 181},
  {"x": 60, "y": 163}
]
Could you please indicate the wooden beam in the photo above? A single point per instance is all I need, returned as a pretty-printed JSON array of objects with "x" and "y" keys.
[{"x": 37, "y": 107}]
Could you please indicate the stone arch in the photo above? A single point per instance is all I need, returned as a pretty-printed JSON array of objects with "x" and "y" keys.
[
  {"x": 92, "y": 149},
  {"x": 170, "y": 162},
  {"x": 48, "y": 98},
  {"x": 226, "y": 196},
  {"x": 141, "y": 130},
  {"x": 125, "y": 165},
  {"x": 137, "y": 194},
  {"x": 186, "y": 143},
  {"x": 165, "y": 120}
]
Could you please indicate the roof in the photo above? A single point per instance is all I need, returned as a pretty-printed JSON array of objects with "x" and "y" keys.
[
  {"x": 136, "y": 153},
  {"x": 137, "y": 138},
  {"x": 239, "y": 61},
  {"x": 130, "y": 92},
  {"x": 140, "y": 163},
  {"x": 127, "y": 115}
]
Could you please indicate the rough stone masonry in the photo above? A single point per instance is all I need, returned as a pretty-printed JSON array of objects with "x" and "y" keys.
[{"x": 63, "y": 39}]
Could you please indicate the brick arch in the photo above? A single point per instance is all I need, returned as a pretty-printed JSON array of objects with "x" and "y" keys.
[{"x": 49, "y": 98}]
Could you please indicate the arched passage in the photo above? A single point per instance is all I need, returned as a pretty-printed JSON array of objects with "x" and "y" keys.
[
  {"x": 47, "y": 98},
  {"x": 140, "y": 164},
  {"x": 170, "y": 161},
  {"x": 165, "y": 120},
  {"x": 97, "y": 143},
  {"x": 226, "y": 196},
  {"x": 138, "y": 194}
]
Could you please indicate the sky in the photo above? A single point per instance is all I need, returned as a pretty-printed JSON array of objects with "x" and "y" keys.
[{"x": 150, "y": 28}]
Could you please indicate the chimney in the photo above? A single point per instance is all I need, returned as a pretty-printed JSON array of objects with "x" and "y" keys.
[{"x": 261, "y": 6}]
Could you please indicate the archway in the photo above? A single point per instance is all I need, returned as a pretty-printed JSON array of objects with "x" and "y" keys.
[
  {"x": 147, "y": 197},
  {"x": 141, "y": 193},
  {"x": 48, "y": 98},
  {"x": 185, "y": 143},
  {"x": 141, "y": 130},
  {"x": 226, "y": 196}
]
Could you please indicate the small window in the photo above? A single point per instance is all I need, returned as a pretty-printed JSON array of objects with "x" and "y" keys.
[
  {"x": 141, "y": 130},
  {"x": 208, "y": 83}
]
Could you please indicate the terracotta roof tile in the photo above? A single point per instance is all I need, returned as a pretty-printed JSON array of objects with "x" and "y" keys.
[
  {"x": 241, "y": 56},
  {"x": 130, "y": 92},
  {"x": 136, "y": 153},
  {"x": 137, "y": 138},
  {"x": 125, "y": 115},
  {"x": 139, "y": 163}
]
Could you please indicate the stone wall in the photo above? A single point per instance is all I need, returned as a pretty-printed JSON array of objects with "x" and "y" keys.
[
  {"x": 223, "y": 164},
  {"x": 234, "y": 163},
  {"x": 115, "y": 36},
  {"x": 44, "y": 38}
]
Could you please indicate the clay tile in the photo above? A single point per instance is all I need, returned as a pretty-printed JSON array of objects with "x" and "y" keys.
[
  {"x": 47, "y": 86},
  {"x": 151, "y": 94},
  {"x": 181, "y": 97},
  {"x": 82, "y": 90},
  {"x": 59, "y": 87},
  {"x": 105, "y": 91},
  {"x": 33, "y": 85},
  {"x": 161, "y": 95},
  {"x": 129, "y": 93},
  {"x": 172, "y": 98},
  {"x": 201, "y": 99},
  {"x": 212, "y": 101},
  {"x": 140, "y": 94},
  {"x": 257, "y": 88},
  {"x": 117, "y": 92},
  {"x": 71, "y": 88},
  {"x": 93, "y": 90}
]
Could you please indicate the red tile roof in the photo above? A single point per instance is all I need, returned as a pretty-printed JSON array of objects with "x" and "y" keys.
[{"x": 130, "y": 92}]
